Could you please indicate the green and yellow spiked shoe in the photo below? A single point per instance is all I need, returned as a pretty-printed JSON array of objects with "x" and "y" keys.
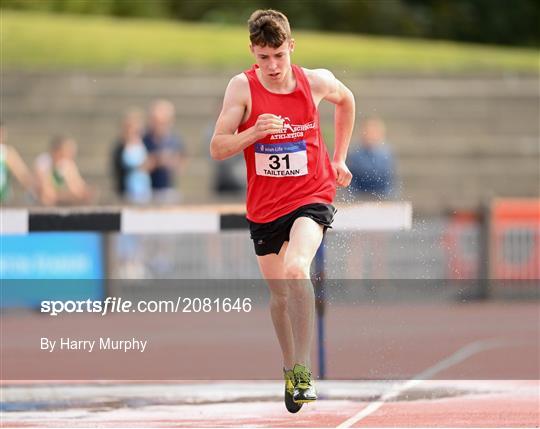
[
  {"x": 304, "y": 390},
  {"x": 292, "y": 407}
]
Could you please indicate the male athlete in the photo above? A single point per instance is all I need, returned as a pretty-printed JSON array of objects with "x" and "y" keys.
[{"x": 270, "y": 112}]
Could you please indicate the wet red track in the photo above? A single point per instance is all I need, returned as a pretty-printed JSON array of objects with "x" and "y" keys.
[
  {"x": 509, "y": 404},
  {"x": 495, "y": 344}
]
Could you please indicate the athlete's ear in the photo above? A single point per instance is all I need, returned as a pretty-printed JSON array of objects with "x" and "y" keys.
[
  {"x": 291, "y": 45},
  {"x": 251, "y": 48}
]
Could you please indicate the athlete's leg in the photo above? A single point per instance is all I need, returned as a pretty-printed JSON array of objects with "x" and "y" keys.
[
  {"x": 305, "y": 238},
  {"x": 272, "y": 269}
]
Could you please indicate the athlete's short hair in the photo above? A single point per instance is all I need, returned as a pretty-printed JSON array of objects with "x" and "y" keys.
[{"x": 268, "y": 28}]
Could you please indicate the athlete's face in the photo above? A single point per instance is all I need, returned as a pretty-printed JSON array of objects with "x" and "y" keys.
[{"x": 274, "y": 62}]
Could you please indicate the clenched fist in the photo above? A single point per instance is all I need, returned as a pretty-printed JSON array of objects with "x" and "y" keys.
[
  {"x": 267, "y": 123},
  {"x": 343, "y": 175}
]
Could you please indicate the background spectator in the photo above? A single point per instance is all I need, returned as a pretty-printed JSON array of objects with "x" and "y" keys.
[
  {"x": 11, "y": 163},
  {"x": 131, "y": 163},
  {"x": 58, "y": 177},
  {"x": 166, "y": 151},
  {"x": 230, "y": 177},
  {"x": 372, "y": 163},
  {"x": 373, "y": 169}
]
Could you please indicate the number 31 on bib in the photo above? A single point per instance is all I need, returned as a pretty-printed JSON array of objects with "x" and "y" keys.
[{"x": 281, "y": 159}]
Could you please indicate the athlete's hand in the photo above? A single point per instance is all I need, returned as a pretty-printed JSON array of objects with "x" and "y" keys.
[
  {"x": 343, "y": 175},
  {"x": 267, "y": 124}
]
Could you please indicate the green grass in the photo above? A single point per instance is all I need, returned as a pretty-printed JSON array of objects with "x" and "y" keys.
[{"x": 58, "y": 42}]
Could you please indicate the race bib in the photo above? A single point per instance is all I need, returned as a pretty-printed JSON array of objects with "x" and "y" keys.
[{"x": 281, "y": 159}]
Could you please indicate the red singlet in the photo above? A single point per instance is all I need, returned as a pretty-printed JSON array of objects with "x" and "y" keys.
[{"x": 291, "y": 168}]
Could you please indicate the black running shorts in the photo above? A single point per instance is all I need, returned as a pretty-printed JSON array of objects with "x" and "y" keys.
[{"x": 269, "y": 237}]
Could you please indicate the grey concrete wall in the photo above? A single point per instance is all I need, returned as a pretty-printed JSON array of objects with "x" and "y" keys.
[{"x": 457, "y": 140}]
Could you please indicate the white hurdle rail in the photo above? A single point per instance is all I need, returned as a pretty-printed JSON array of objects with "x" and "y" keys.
[{"x": 367, "y": 216}]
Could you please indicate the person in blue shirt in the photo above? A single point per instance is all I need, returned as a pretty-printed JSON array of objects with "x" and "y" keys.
[
  {"x": 372, "y": 163},
  {"x": 166, "y": 151},
  {"x": 130, "y": 161},
  {"x": 373, "y": 168}
]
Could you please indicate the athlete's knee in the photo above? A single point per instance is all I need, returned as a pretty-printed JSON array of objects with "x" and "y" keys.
[
  {"x": 279, "y": 300},
  {"x": 297, "y": 269}
]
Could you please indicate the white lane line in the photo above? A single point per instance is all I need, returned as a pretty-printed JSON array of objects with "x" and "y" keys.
[{"x": 459, "y": 356}]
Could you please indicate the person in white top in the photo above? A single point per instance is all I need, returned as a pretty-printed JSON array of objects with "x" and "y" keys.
[{"x": 59, "y": 181}]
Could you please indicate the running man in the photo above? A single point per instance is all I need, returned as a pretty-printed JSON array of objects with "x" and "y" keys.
[{"x": 270, "y": 112}]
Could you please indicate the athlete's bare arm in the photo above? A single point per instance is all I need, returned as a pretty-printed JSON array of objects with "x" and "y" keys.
[
  {"x": 325, "y": 86},
  {"x": 19, "y": 169},
  {"x": 226, "y": 142},
  {"x": 74, "y": 181}
]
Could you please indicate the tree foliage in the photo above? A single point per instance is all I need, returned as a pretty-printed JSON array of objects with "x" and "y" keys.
[{"x": 506, "y": 22}]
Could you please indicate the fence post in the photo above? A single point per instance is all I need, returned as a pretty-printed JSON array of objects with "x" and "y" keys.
[{"x": 484, "y": 259}]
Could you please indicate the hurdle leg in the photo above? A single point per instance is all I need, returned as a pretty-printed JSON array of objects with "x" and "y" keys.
[{"x": 320, "y": 303}]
